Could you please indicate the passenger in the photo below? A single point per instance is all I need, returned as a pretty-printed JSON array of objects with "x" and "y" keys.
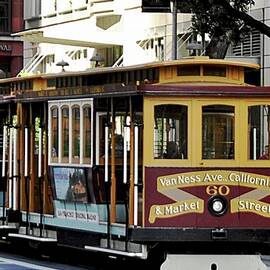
[
  {"x": 265, "y": 155},
  {"x": 54, "y": 152},
  {"x": 172, "y": 150},
  {"x": 119, "y": 144}
]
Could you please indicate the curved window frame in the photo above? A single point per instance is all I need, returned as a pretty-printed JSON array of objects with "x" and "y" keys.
[
  {"x": 65, "y": 148},
  {"x": 168, "y": 143},
  {"x": 54, "y": 157},
  {"x": 214, "y": 144},
  {"x": 87, "y": 159},
  {"x": 75, "y": 158},
  {"x": 245, "y": 160},
  {"x": 198, "y": 121},
  {"x": 66, "y": 161},
  {"x": 149, "y": 110}
]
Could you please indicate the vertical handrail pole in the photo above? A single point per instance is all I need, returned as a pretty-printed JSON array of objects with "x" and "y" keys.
[
  {"x": 25, "y": 152},
  {"x": 15, "y": 172},
  {"x": 26, "y": 174},
  {"x": 4, "y": 169},
  {"x": 136, "y": 167},
  {"x": 107, "y": 182},
  {"x": 131, "y": 164},
  {"x": 10, "y": 201},
  {"x": 40, "y": 139},
  {"x": 268, "y": 129},
  {"x": 106, "y": 179},
  {"x": 254, "y": 143},
  {"x": 4, "y": 151},
  {"x": 125, "y": 182},
  {"x": 125, "y": 171},
  {"x": 40, "y": 153},
  {"x": 113, "y": 172},
  {"x": 125, "y": 156}
]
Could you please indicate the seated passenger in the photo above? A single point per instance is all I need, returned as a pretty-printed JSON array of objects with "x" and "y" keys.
[
  {"x": 265, "y": 155},
  {"x": 172, "y": 150}
]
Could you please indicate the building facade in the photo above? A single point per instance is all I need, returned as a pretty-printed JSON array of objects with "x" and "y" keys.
[
  {"x": 119, "y": 32},
  {"x": 75, "y": 31},
  {"x": 11, "y": 48},
  {"x": 262, "y": 11}
]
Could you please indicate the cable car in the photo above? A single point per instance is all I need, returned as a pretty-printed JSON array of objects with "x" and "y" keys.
[{"x": 166, "y": 158}]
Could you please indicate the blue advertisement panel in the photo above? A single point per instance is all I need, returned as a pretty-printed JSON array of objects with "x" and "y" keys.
[{"x": 70, "y": 184}]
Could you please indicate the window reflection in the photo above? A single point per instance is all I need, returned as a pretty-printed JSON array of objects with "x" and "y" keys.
[
  {"x": 170, "y": 132},
  {"x": 87, "y": 132},
  {"x": 70, "y": 125},
  {"x": 258, "y": 128},
  {"x": 76, "y": 132},
  {"x": 218, "y": 132},
  {"x": 54, "y": 139},
  {"x": 65, "y": 131}
]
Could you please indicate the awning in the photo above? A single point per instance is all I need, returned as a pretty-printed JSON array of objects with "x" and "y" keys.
[{"x": 37, "y": 36}]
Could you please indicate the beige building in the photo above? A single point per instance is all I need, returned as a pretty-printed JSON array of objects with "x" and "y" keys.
[
  {"x": 119, "y": 32},
  {"x": 75, "y": 31}
]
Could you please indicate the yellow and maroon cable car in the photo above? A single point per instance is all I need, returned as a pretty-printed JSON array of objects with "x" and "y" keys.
[{"x": 169, "y": 157}]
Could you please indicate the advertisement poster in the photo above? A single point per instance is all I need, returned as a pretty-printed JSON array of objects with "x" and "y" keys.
[{"x": 70, "y": 184}]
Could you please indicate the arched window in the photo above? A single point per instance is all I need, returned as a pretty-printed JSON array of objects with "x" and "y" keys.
[
  {"x": 70, "y": 139},
  {"x": 65, "y": 133},
  {"x": 87, "y": 133},
  {"x": 76, "y": 133},
  {"x": 218, "y": 132},
  {"x": 170, "y": 132},
  {"x": 54, "y": 134}
]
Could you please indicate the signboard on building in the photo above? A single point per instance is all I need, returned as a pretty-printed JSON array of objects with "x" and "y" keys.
[{"x": 5, "y": 47}]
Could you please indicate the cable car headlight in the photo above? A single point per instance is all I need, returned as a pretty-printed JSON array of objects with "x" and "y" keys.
[{"x": 217, "y": 205}]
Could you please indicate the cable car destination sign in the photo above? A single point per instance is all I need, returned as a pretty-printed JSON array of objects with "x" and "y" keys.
[{"x": 178, "y": 187}]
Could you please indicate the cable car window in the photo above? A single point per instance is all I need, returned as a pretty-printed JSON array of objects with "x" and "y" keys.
[
  {"x": 65, "y": 133},
  {"x": 218, "y": 132},
  {"x": 170, "y": 132},
  {"x": 258, "y": 128},
  {"x": 214, "y": 71},
  {"x": 119, "y": 135},
  {"x": 76, "y": 133},
  {"x": 70, "y": 138},
  {"x": 193, "y": 70},
  {"x": 54, "y": 134},
  {"x": 87, "y": 132},
  {"x": 120, "y": 124}
]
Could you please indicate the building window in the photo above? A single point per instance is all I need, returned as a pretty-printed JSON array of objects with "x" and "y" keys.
[
  {"x": 218, "y": 132},
  {"x": 5, "y": 16},
  {"x": 170, "y": 132}
]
